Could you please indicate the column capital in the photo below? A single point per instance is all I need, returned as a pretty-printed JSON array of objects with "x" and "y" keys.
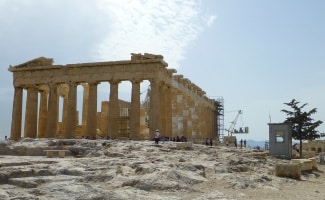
[
  {"x": 135, "y": 81},
  {"x": 31, "y": 86},
  {"x": 93, "y": 83},
  {"x": 114, "y": 81},
  {"x": 154, "y": 81},
  {"x": 71, "y": 83},
  {"x": 52, "y": 85}
]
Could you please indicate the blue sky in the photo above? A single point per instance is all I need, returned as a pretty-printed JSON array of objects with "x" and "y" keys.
[{"x": 255, "y": 54}]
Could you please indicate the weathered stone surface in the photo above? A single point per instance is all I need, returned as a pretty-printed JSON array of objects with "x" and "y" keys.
[
  {"x": 4, "y": 195},
  {"x": 305, "y": 164},
  {"x": 146, "y": 172},
  {"x": 288, "y": 170},
  {"x": 313, "y": 163},
  {"x": 185, "y": 145}
]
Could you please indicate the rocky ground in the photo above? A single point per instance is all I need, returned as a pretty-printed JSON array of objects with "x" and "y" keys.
[{"x": 99, "y": 169}]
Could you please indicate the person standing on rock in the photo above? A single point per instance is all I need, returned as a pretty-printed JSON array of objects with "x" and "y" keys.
[{"x": 157, "y": 134}]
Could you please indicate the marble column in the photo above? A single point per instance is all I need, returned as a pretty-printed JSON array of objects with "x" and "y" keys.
[
  {"x": 92, "y": 111},
  {"x": 52, "y": 117},
  {"x": 154, "y": 117},
  {"x": 185, "y": 111},
  {"x": 174, "y": 112},
  {"x": 30, "y": 129},
  {"x": 189, "y": 133},
  {"x": 162, "y": 109},
  {"x": 169, "y": 111},
  {"x": 180, "y": 109},
  {"x": 70, "y": 121},
  {"x": 17, "y": 114},
  {"x": 42, "y": 115},
  {"x": 85, "y": 108},
  {"x": 104, "y": 118},
  {"x": 62, "y": 124},
  {"x": 135, "y": 110},
  {"x": 114, "y": 114}
]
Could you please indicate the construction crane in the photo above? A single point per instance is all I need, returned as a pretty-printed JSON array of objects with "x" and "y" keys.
[{"x": 231, "y": 130}]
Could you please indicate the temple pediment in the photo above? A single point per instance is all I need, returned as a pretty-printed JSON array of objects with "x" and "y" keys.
[{"x": 37, "y": 62}]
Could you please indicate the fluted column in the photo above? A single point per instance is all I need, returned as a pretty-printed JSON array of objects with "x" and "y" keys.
[
  {"x": 162, "y": 109},
  {"x": 42, "y": 115},
  {"x": 52, "y": 118},
  {"x": 135, "y": 110},
  {"x": 31, "y": 113},
  {"x": 189, "y": 133},
  {"x": 201, "y": 122},
  {"x": 92, "y": 111},
  {"x": 169, "y": 111},
  {"x": 154, "y": 108},
  {"x": 70, "y": 121},
  {"x": 104, "y": 118},
  {"x": 62, "y": 124},
  {"x": 180, "y": 108},
  {"x": 174, "y": 112},
  {"x": 85, "y": 108},
  {"x": 113, "y": 110},
  {"x": 17, "y": 114},
  {"x": 185, "y": 116}
]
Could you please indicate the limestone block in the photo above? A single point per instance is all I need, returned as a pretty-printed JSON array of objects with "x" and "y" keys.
[
  {"x": 306, "y": 164},
  {"x": 313, "y": 163},
  {"x": 184, "y": 145},
  {"x": 288, "y": 170}
]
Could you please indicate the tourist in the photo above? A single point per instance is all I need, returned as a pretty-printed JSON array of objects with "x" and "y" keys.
[
  {"x": 207, "y": 142},
  {"x": 210, "y": 141},
  {"x": 157, "y": 134},
  {"x": 241, "y": 143},
  {"x": 296, "y": 147},
  {"x": 245, "y": 143},
  {"x": 236, "y": 143}
]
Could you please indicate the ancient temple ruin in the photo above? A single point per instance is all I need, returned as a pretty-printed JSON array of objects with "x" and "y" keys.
[{"x": 176, "y": 106}]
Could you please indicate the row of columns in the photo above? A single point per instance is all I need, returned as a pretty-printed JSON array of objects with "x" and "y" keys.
[
  {"x": 48, "y": 111},
  {"x": 172, "y": 112}
]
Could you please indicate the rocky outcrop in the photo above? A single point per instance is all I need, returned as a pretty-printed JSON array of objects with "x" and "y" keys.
[{"x": 101, "y": 169}]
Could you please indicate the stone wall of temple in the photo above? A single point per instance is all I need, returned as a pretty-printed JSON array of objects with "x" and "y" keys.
[
  {"x": 177, "y": 107},
  {"x": 316, "y": 145}
]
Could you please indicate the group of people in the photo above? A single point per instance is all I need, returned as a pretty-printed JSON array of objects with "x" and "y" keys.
[
  {"x": 158, "y": 138},
  {"x": 242, "y": 143}
]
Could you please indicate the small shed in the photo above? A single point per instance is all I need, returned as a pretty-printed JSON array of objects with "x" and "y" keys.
[{"x": 280, "y": 140}]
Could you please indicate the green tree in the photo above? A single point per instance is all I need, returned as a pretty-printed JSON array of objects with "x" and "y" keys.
[{"x": 303, "y": 126}]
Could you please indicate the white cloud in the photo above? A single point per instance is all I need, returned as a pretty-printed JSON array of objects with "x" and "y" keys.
[
  {"x": 146, "y": 26},
  {"x": 211, "y": 19},
  {"x": 108, "y": 29}
]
